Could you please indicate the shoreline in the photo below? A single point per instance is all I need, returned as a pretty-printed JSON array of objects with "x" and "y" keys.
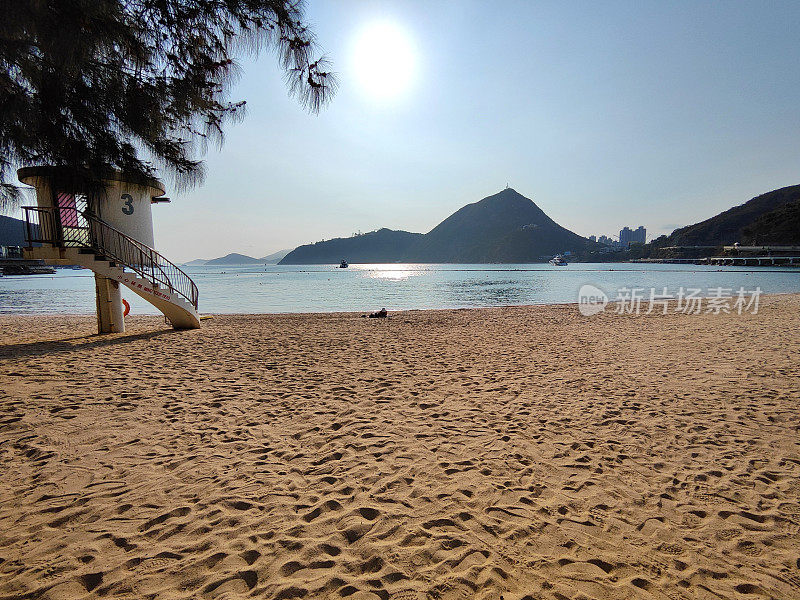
[
  {"x": 645, "y": 300},
  {"x": 363, "y": 312},
  {"x": 522, "y": 451}
]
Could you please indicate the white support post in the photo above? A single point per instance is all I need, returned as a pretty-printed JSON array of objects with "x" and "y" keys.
[{"x": 109, "y": 306}]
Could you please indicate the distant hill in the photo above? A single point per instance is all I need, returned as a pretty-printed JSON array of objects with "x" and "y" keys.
[
  {"x": 503, "y": 228},
  {"x": 240, "y": 259},
  {"x": 382, "y": 246},
  {"x": 770, "y": 218},
  {"x": 275, "y": 257},
  {"x": 234, "y": 259}
]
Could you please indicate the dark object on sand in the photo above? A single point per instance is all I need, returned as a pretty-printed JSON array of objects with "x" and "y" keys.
[{"x": 381, "y": 314}]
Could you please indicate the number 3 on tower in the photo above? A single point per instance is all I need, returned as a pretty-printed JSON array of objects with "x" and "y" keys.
[{"x": 127, "y": 208}]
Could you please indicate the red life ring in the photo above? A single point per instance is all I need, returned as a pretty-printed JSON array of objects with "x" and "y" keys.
[{"x": 127, "y": 307}]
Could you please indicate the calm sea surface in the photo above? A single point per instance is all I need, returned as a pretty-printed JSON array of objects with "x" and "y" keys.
[{"x": 323, "y": 288}]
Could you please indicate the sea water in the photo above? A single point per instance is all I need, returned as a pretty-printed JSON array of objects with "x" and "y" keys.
[{"x": 368, "y": 287}]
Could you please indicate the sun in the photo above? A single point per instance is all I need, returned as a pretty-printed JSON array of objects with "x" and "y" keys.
[{"x": 384, "y": 61}]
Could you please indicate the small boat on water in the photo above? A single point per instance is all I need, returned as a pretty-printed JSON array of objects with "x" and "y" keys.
[
  {"x": 343, "y": 264},
  {"x": 558, "y": 261}
]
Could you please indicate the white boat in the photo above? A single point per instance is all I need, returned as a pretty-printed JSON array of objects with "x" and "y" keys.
[{"x": 558, "y": 261}]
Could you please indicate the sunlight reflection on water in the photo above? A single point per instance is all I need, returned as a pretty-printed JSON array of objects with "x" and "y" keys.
[{"x": 395, "y": 272}]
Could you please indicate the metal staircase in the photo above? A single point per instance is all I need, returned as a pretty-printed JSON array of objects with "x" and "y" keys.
[{"x": 77, "y": 237}]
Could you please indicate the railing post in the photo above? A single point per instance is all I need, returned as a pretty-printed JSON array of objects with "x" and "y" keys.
[
  {"x": 28, "y": 228},
  {"x": 48, "y": 217}
]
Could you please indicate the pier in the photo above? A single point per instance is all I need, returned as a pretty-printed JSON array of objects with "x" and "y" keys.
[
  {"x": 755, "y": 261},
  {"x": 22, "y": 266},
  {"x": 672, "y": 261},
  {"x": 736, "y": 255}
]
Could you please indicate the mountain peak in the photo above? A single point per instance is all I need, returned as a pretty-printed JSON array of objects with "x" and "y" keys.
[
  {"x": 506, "y": 197},
  {"x": 508, "y": 192},
  {"x": 483, "y": 232}
]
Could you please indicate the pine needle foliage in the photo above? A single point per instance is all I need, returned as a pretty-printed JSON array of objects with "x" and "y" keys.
[{"x": 137, "y": 85}]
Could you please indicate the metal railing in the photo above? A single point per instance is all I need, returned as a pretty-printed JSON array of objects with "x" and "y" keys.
[{"x": 70, "y": 228}]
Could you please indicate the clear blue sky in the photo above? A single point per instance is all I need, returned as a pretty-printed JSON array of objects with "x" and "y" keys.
[{"x": 604, "y": 113}]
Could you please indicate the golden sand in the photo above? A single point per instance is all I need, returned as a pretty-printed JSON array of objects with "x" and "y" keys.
[{"x": 518, "y": 453}]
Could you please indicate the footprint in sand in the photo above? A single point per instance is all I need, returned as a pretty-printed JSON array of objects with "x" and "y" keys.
[
  {"x": 749, "y": 548},
  {"x": 728, "y": 534},
  {"x": 325, "y": 507}
]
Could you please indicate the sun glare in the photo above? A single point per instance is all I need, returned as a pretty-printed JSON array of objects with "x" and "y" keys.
[{"x": 384, "y": 61}]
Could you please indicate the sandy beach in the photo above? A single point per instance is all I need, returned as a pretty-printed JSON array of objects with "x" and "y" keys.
[{"x": 515, "y": 453}]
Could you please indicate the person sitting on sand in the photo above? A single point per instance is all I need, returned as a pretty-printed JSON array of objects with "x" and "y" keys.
[{"x": 381, "y": 314}]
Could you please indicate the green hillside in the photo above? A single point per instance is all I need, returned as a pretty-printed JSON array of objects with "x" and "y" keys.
[
  {"x": 503, "y": 228},
  {"x": 760, "y": 218},
  {"x": 384, "y": 245}
]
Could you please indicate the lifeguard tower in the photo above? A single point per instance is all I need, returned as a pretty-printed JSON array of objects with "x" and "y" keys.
[{"x": 110, "y": 231}]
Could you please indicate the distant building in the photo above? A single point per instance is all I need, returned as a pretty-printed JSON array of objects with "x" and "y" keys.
[
  {"x": 627, "y": 236},
  {"x": 604, "y": 239}
]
